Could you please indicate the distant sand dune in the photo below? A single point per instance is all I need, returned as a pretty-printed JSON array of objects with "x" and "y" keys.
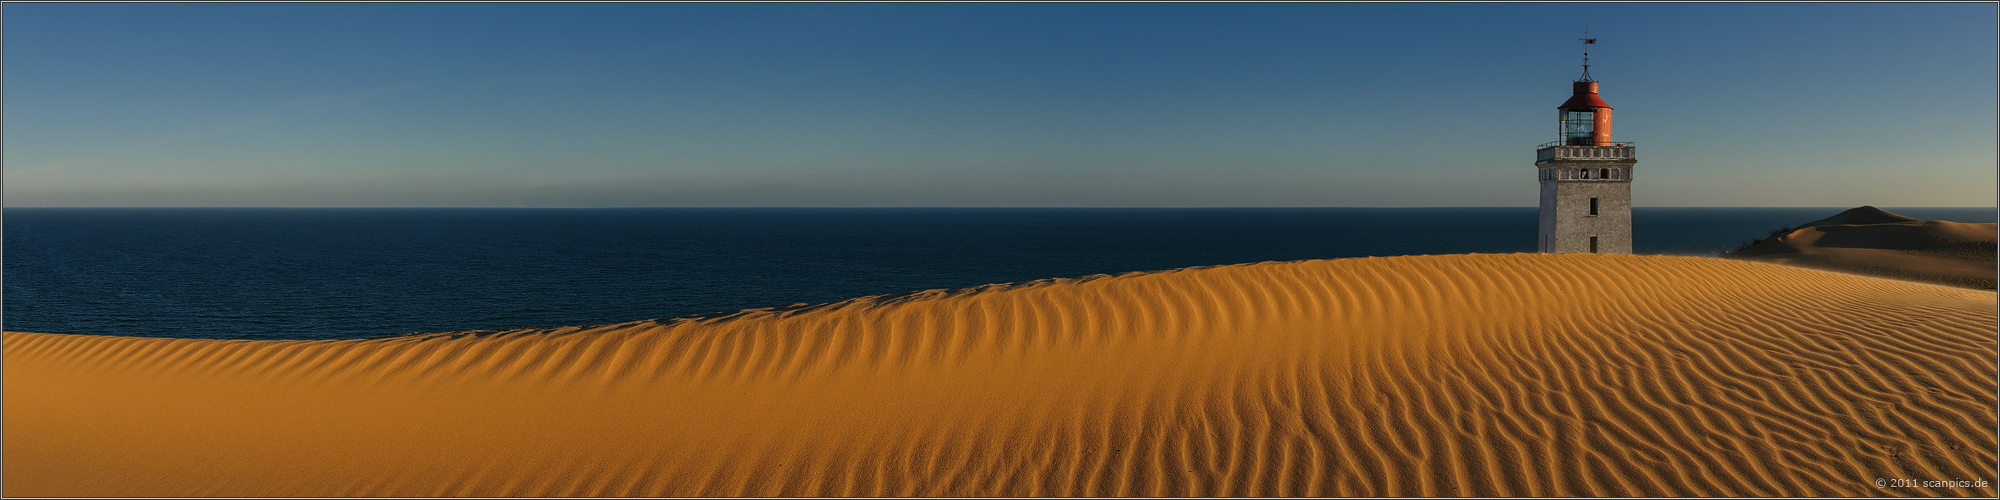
[
  {"x": 1874, "y": 242},
  {"x": 1434, "y": 375}
]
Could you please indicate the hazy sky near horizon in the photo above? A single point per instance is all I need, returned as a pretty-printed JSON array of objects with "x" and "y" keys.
[{"x": 1151, "y": 105}]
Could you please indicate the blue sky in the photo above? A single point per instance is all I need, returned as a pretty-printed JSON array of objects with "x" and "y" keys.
[{"x": 1151, "y": 105}]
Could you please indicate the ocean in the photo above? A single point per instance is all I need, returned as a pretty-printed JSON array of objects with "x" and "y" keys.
[{"x": 311, "y": 273}]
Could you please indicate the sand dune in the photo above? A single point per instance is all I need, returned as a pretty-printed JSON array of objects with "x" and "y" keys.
[
  {"x": 1874, "y": 242},
  {"x": 1435, "y": 375}
]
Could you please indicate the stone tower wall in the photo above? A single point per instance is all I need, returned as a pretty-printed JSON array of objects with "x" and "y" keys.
[{"x": 1566, "y": 224}]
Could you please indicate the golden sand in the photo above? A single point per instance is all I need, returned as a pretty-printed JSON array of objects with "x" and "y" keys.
[
  {"x": 1434, "y": 375},
  {"x": 1874, "y": 242}
]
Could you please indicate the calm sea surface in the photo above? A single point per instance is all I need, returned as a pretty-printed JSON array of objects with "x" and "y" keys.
[{"x": 348, "y": 273}]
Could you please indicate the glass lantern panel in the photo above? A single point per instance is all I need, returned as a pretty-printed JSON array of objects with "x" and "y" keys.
[{"x": 1578, "y": 127}]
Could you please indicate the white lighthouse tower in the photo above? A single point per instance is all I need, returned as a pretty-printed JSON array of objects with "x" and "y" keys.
[{"x": 1586, "y": 179}]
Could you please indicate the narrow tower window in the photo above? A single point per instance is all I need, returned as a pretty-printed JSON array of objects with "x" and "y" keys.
[
  {"x": 1604, "y": 173},
  {"x": 1593, "y": 211},
  {"x": 1593, "y": 244}
]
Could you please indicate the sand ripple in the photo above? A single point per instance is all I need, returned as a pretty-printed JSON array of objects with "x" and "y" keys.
[{"x": 1432, "y": 375}]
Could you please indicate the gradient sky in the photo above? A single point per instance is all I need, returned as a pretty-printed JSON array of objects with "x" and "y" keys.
[{"x": 1151, "y": 105}]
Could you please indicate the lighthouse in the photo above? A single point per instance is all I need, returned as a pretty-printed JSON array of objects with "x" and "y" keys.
[{"x": 1586, "y": 179}]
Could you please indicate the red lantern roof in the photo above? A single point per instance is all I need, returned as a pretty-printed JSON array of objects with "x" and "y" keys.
[{"x": 1585, "y": 98}]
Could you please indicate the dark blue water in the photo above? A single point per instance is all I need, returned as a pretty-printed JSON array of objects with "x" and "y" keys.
[{"x": 347, "y": 273}]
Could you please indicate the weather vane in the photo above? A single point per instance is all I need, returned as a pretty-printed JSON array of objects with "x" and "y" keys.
[{"x": 1587, "y": 42}]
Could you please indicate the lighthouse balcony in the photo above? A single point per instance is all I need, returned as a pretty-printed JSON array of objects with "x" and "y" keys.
[{"x": 1554, "y": 151}]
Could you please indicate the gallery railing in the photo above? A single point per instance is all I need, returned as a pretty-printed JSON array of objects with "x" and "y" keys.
[{"x": 1556, "y": 150}]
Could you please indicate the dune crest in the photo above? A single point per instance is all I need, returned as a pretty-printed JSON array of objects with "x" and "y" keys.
[
  {"x": 1871, "y": 241},
  {"x": 1519, "y": 374},
  {"x": 1864, "y": 214}
]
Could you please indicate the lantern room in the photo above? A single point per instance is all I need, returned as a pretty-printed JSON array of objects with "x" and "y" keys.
[{"x": 1585, "y": 117}]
